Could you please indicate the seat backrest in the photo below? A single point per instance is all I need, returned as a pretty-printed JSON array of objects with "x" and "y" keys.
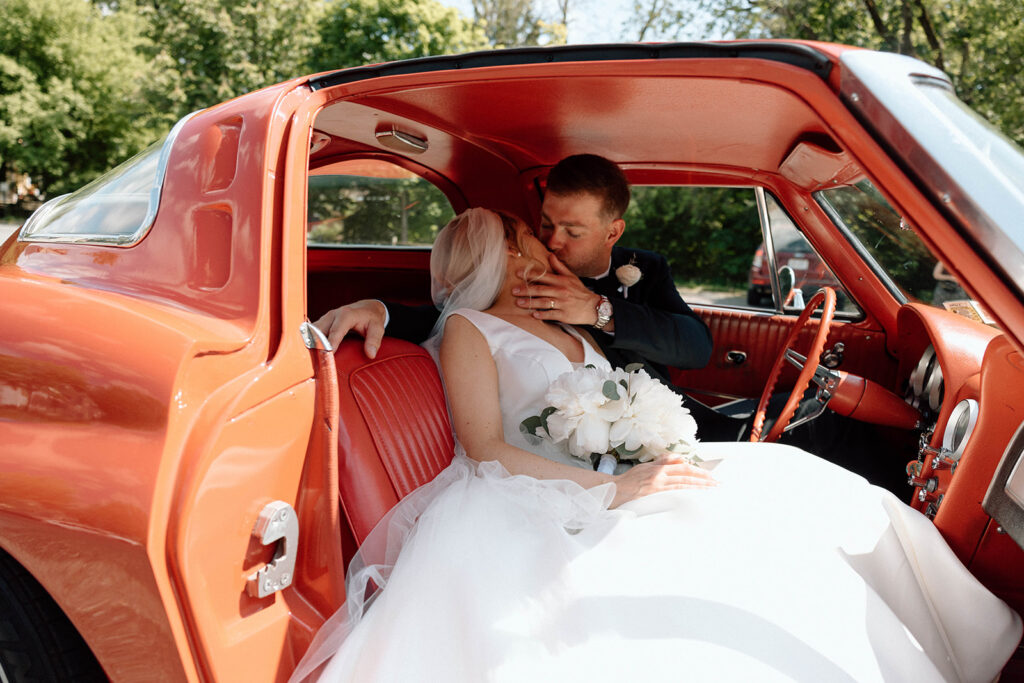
[{"x": 394, "y": 433}]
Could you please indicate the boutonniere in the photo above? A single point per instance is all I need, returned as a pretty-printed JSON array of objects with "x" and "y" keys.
[{"x": 628, "y": 275}]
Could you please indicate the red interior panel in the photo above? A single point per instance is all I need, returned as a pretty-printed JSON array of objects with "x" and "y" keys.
[{"x": 760, "y": 337}]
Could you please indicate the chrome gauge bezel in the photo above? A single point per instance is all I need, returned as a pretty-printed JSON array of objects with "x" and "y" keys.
[
  {"x": 971, "y": 409},
  {"x": 933, "y": 388},
  {"x": 920, "y": 373}
]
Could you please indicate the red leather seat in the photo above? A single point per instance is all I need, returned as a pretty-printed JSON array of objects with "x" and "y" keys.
[{"x": 394, "y": 434}]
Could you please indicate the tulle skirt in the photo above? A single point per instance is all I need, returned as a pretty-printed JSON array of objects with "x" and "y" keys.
[{"x": 791, "y": 569}]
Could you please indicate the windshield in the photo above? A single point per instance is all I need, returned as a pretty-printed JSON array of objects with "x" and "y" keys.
[{"x": 890, "y": 244}]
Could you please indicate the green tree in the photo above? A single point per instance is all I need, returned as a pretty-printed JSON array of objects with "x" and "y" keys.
[
  {"x": 357, "y": 32},
  {"x": 361, "y": 210},
  {"x": 225, "y": 48},
  {"x": 979, "y": 43},
  {"x": 75, "y": 94},
  {"x": 512, "y": 23},
  {"x": 707, "y": 234}
]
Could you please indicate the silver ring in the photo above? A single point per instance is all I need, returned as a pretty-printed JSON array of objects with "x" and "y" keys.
[{"x": 552, "y": 306}]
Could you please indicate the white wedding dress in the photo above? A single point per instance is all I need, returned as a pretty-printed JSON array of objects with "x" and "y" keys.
[{"x": 791, "y": 570}]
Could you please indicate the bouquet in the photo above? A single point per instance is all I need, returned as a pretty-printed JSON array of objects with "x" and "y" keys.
[{"x": 610, "y": 415}]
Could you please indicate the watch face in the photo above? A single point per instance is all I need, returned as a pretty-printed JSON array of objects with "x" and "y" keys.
[{"x": 604, "y": 309}]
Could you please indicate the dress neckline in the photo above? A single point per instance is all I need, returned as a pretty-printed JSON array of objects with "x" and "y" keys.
[{"x": 584, "y": 344}]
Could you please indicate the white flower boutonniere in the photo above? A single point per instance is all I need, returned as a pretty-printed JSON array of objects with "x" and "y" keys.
[{"x": 628, "y": 275}]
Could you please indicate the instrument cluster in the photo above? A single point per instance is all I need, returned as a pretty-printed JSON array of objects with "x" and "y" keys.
[
  {"x": 925, "y": 388},
  {"x": 925, "y": 391}
]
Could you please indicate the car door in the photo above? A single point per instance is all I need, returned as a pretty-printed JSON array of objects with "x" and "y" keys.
[{"x": 725, "y": 245}]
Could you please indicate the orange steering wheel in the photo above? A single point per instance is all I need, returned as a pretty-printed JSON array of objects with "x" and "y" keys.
[{"x": 826, "y": 298}]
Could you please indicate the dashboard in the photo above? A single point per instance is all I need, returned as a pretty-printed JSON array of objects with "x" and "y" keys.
[{"x": 967, "y": 381}]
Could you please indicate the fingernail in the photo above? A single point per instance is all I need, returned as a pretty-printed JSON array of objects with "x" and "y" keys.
[
  {"x": 515, "y": 290},
  {"x": 371, "y": 351},
  {"x": 521, "y": 302}
]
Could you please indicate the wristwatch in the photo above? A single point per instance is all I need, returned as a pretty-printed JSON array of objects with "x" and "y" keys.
[{"x": 604, "y": 312}]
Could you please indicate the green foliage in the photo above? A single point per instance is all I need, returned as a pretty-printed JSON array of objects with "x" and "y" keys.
[
  {"x": 225, "y": 48},
  {"x": 75, "y": 93},
  {"x": 979, "y": 43},
  {"x": 360, "y": 210},
  {"x": 359, "y": 32},
  {"x": 707, "y": 234},
  {"x": 513, "y": 23}
]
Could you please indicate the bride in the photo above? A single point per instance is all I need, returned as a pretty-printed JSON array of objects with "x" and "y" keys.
[{"x": 517, "y": 563}]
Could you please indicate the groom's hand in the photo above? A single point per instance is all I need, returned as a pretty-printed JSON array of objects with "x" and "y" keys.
[
  {"x": 364, "y": 317},
  {"x": 558, "y": 295}
]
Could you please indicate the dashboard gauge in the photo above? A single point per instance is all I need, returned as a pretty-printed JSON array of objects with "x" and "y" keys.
[
  {"x": 920, "y": 374},
  {"x": 933, "y": 387},
  {"x": 959, "y": 427}
]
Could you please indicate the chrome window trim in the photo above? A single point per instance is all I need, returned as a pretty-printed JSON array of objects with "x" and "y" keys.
[
  {"x": 769, "y": 247},
  {"x": 953, "y": 169},
  {"x": 115, "y": 240}
]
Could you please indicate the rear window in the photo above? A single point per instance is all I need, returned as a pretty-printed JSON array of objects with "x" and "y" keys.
[
  {"x": 371, "y": 202},
  {"x": 117, "y": 208}
]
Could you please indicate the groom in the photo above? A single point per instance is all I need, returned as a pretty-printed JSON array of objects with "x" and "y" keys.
[{"x": 626, "y": 296}]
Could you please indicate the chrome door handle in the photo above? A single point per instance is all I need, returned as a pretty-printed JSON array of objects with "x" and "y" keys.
[{"x": 736, "y": 357}]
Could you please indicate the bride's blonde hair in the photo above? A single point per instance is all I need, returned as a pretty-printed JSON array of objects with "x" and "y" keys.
[{"x": 467, "y": 264}]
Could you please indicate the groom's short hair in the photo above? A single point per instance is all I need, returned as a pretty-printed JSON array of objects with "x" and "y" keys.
[{"x": 591, "y": 174}]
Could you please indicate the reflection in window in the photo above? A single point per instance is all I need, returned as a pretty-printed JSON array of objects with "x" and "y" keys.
[
  {"x": 373, "y": 202},
  {"x": 891, "y": 242}
]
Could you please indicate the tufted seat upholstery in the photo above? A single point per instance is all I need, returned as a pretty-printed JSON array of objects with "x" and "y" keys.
[{"x": 394, "y": 433}]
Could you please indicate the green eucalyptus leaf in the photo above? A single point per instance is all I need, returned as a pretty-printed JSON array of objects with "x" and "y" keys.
[
  {"x": 530, "y": 425},
  {"x": 610, "y": 390},
  {"x": 633, "y": 367}
]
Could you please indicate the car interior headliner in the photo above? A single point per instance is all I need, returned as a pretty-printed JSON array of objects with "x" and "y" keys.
[{"x": 736, "y": 118}]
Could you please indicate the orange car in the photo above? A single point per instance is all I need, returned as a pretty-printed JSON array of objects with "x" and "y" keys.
[{"x": 186, "y": 466}]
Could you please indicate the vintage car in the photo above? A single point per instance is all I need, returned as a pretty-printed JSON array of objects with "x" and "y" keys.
[{"x": 187, "y": 466}]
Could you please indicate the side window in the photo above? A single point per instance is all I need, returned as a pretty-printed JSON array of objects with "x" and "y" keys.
[
  {"x": 793, "y": 251},
  {"x": 713, "y": 241},
  {"x": 370, "y": 202}
]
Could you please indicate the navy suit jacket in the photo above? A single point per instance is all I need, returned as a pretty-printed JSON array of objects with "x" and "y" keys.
[{"x": 653, "y": 325}]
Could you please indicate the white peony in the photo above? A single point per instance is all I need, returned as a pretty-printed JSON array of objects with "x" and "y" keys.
[
  {"x": 654, "y": 421},
  {"x": 597, "y": 411},
  {"x": 583, "y": 412}
]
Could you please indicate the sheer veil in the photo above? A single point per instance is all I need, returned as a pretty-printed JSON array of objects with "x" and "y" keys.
[
  {"x": 467, "y": 270},
  {"x": 467, "y": 266}
]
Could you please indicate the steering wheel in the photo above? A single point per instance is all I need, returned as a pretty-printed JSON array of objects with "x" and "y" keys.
[{"x": 826, "y": 299}]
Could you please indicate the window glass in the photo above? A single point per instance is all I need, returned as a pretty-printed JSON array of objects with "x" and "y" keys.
[
  {"x": 793, "y": 251},
  {"x": 116, "y": 208},
  {"x": 894, "y": 249},
  {"x": 374, "y": 202},
  {"x": 712, "y": 238},
  {"x": 708, "y": 235}
]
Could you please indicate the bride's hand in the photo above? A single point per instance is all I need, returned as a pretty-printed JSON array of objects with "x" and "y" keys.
[{"x": 666, "y": 472}]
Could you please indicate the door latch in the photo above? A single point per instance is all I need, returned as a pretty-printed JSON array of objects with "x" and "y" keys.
[{"x": 278, "y": 524}]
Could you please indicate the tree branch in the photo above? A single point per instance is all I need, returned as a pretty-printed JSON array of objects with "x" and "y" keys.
[
  {"x": 929, "y": 32},
  {"x": 907, "y": 20},
  {"x": 884, "y": 33}
]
